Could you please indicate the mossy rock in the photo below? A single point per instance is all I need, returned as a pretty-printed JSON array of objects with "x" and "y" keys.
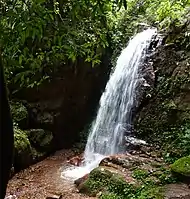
[
  {"x": 107, "y": 184},
  {"x": 103, "y": 180},
  {"x": 19, "y": 113},
  {"x": 22, "y": 149},
  {"x": 182, "y": 166},
  {"x": 95, "y": 181},
  {"x": 24, "y": 153},
  {"x": 40, "y": 139}
]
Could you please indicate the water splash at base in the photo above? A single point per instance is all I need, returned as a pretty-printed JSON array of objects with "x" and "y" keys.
[{"x": 74, "y": 172}]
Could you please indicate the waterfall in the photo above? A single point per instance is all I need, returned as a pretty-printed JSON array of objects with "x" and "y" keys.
[{"x": 113, "y": 120}]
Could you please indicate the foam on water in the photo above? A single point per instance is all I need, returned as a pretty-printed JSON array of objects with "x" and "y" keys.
[{"x": 74, "y": 173}]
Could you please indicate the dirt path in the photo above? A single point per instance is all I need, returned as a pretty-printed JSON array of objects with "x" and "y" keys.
[{"x": 43, "y": 180}]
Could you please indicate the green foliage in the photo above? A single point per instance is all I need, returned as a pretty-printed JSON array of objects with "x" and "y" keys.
[
  {"x": 182, "y": 166},
  {"x": 161, "y": 176},
  {"x": 110, "y": 196},
  {"x": 21, "y": 141},
  {"x": 38, "y": 37},
  {"x": 19, "y": 112},
  {"x": 163, "y": 14},
  {"x": 40, "y": 139},
  {"x": 151, "y": 193},
  {"x": 140, "y": 174},
  {"x": 177, "y": 142},
  {"x": 165, "y": 176},
  {"x": 24, "y": 152},
  {"x": 174, "y": 141}
]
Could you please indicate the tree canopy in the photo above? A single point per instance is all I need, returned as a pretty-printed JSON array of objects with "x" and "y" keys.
[{"x": 39, "y": 36}]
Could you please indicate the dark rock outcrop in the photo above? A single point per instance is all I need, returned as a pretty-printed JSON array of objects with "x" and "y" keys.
[
  {"x": 167, "y": 103},
  {"x": 22, "y": 150},
  {"x": 19, "y": 113},
  {"x": 68, "y": 102},
  {"x": 30, "y": 146},
  {"x": 40, "y": 139}
]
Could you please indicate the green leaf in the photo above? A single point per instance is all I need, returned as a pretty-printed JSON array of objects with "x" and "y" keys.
[{"x": 20, "y": 59}]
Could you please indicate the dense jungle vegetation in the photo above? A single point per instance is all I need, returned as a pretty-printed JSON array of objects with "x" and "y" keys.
[{"x": 38, "y": 37}]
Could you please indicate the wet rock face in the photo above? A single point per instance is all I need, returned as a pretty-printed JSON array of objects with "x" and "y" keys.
[
  {"x": 167, "y": 103},
  {"x": 81, "y": 180}
]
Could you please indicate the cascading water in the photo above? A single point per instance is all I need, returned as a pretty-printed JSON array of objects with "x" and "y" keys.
[{"x": 113, "y": 120}]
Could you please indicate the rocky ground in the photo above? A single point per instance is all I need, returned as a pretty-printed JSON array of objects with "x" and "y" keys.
[
  {"x": 140, "y": 174},
  {"x": 43, "y": 180}
]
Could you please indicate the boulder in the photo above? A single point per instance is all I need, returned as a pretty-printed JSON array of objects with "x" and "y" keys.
[
  {"x": 182, "y": 166},
  {"x": 126, "y": 161},
  {"x": 81, "y": 180},
  {"x": 76, "y": 161},
  {"x": 99, "y": 179},
  {"x": 40, "y": 139},
  {"x": 27, "y": 150},
  {"x": 22, "y": 150}
]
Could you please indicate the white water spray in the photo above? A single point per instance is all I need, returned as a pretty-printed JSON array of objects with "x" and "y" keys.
[{"x": 113, "y": 120}]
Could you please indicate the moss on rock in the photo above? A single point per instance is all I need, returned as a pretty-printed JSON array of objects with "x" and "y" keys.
[
  {"x": 182, "y": 166},
  {"x": 169, "y": 105},
  {"x": 40, "y": 139},
  {"x": 19, "y": 113},
  {"x": 25, "y": 153},
  {"x": 95, "y": 182},
  {"x": 101, "y": 179},
  {"x": 22, "y": 149},
  {"x": 141, "y": 182},
  {"x": 108, "y": 185},
  {"x": 151, "y": 193},
  {"x": 21, "y": 140}
]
